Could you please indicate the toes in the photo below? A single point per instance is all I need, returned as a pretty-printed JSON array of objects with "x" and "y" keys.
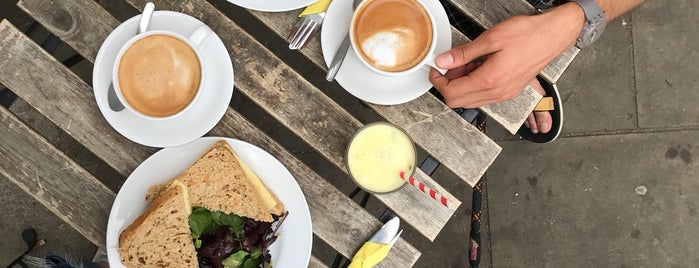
[
  {"x": 537, "y": 86},
  {"x": 531, "y": 123},
  {"x": 543, "y": 121}
]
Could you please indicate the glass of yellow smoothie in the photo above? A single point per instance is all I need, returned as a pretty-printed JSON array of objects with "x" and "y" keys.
[{"x": 377, "y": 154}]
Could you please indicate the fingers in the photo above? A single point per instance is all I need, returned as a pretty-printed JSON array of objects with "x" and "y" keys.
[
  {"x": 466, "y": 91},
  {"x": 438, "y": 80},
  {"x": 460, "y": 71},
  {"x": 464, "y": 54}
]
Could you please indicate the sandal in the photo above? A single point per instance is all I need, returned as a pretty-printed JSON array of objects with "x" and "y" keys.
[{"x": 552, "y": 103}]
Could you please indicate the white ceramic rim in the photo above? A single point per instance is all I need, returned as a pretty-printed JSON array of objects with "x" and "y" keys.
[
  {"x": 293, "y": 247},
  {"x": 429, "y": 55},
  {"x": 117, "y": 61},
  {"x": 272, "y": 5}
]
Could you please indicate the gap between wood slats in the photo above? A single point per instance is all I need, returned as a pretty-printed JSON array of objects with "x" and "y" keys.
[
  {"x": 510, "y": 114},
  {"x": 53, "y": 179},
  {"x": 409, "y": 214},
  {"x": 346, "y": 243},
  {"x": 431, "y": 113},
  {"x": 302, "y": 108}
]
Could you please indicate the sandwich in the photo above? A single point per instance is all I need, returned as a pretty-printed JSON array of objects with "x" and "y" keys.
[
  {"x": 219, "y": 181},
  {"x": 160, "y": 237},
  {"x": 219, "y": 202}
]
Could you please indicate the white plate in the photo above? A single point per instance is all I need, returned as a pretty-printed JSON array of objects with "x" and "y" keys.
[
  {"x": 359, "y": 80},
  {"x": 293, "y": 247},
  {"x": 272, "y": 5},
  {"x": 194, "y": 123}
]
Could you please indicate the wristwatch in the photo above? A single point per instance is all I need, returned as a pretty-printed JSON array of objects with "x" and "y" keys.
[{"x": 595, "y": 22}]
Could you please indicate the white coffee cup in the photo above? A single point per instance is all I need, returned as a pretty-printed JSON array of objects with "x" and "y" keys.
[
  {"x": 427, "y": 61},
  {"x": 196, "y": 41}
]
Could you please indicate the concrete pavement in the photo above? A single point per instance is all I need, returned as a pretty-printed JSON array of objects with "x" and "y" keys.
[{"x": 619, "y": 189}]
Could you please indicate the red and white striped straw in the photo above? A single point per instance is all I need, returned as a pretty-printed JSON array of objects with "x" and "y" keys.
[{"x": 427, "y": 190}]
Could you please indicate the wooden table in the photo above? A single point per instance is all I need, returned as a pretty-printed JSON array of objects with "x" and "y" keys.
[{"x": 266, "y": 75}]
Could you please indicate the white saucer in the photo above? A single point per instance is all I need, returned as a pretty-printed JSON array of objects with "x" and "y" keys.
[
  {"x": 272, "y": 5},
  {"x": 293, "y": 247},
  {"x": 199, "y": 119},
  {"x": 359, "y": 80}
]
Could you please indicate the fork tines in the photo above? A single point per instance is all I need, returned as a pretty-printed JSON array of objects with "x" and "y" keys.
[{"x": 303, "y": 33}]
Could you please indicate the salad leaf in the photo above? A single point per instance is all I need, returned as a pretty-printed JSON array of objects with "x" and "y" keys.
[
  {"x": 199, "y": 220},
  {"x": 251, "y": 263},
  {"x": 235, "y": 260},
  {"x": 231, "y": 241},
  {"x": 233, "y": 221},
  {"x": 256, "y": 253}
]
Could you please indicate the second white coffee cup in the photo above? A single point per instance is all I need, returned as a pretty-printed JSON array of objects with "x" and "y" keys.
[{"x": 386, "y": 48}]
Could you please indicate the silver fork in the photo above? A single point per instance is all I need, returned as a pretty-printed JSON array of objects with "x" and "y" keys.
[{"x": 304, "y": 29}]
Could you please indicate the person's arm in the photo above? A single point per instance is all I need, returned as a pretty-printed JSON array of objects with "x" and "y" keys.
[
  {"x": 515, "y": 51},
  {"x": 615, "y": 8}
]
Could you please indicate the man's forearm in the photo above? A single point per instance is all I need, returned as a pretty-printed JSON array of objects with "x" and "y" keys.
[
  {"x": 615, "y": 8},
  {"x": 569, "y": 17}
]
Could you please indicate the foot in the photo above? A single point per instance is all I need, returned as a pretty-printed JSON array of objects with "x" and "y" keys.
[{"x": 538, "y": 122}]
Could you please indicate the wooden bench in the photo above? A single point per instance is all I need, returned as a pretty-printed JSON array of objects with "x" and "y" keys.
[{"x": 79, "y": 198}]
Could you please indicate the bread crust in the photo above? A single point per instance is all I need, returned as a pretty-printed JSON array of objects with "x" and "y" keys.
[{"x": 160, "y": 237}]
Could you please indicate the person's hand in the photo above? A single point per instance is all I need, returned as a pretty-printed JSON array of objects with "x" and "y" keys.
[{"x": 515, "y": 51}]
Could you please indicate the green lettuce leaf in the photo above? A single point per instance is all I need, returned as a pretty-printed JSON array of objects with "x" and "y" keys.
[{"x": 235, "y": 260}]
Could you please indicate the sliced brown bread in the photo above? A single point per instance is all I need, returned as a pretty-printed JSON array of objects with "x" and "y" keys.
[
  {"x": 216, "y": 182},
  {"x": 161, "y": 237}
]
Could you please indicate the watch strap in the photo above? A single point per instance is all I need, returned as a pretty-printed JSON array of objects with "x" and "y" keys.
[
  {"x": 594, "y": 22},
  {"x": 591, "y": 9}
]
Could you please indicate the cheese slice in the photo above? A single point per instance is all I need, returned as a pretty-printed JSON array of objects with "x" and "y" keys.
[{"x": 269, "y": 201}]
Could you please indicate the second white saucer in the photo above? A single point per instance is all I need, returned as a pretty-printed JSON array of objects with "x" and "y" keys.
[{"x": 359, "y": 80}]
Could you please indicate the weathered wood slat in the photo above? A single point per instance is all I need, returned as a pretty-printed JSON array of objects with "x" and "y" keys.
[
  {"x": 53, "y": 179},
  {"x": 336, "y": 219},
  {"x": 72, "y": 27},
  {"x": 558, "y": 66},
  {"x": 437, "y": 121},
  {"x": 489, "y": 13},
  {"x": 305, "y": 110},
  {"x": 510, "y": 114},
  {"x": 316, "y": 263},
  {"x": 327, "y": 204},
  {"x": 54, "y": 103}
]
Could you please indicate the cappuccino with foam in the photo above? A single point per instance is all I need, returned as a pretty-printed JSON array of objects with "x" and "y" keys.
[
  {"x": 392, "y": 35},
  {"x": 159, "y": 75}
]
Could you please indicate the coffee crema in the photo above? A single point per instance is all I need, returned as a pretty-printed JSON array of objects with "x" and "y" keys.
[
  {"x": 392, "y": 35},
  {"x": 159, "y": 75}
]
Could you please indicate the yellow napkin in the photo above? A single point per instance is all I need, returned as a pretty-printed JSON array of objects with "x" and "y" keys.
[
  {"x": 369, "y": 255},
  {"x": 317, "y": 7}
]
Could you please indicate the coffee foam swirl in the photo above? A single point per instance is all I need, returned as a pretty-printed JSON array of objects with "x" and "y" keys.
[
  {"x": 384, "y": 48},
  {"x": 159, "y": 75}
]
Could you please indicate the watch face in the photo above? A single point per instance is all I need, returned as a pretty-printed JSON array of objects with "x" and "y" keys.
[
  {"x": 594, "y": 26},
  {"x": 592, "y": 31}
]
